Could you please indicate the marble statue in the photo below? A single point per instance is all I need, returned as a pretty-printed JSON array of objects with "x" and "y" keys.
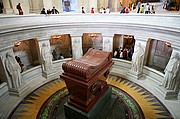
[
  {"x": 137, "y": 59},
  {"x": 46, "y": 57},
  {"x": 171, "y": 81},
  {"x": 13, "y": 69},
  {"x": 77, "y": 51}
]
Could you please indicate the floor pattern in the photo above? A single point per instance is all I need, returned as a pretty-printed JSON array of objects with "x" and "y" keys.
[
  {"x": 44, "y": 102},
  {"x": 149, "y": 104}
]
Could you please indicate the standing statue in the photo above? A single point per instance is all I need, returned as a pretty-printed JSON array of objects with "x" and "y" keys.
[
  {"x": 137, "y": 59},
  {"x": 171, "y": 81},
  {"x": 13, "y": 70},
  {"x": 46, "y": 57}
]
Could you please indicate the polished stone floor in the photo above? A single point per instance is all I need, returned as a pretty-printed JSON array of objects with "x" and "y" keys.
[{"x": 128, "y": 101}]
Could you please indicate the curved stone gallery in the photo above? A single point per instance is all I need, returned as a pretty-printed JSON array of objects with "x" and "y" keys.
[{"x": 128, "y": 101}]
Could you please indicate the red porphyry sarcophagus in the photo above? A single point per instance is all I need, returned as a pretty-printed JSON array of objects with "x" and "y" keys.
[{"x": 84, "y": 78}]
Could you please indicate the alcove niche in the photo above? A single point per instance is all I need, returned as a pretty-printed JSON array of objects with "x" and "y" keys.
[
  {"x": 157, "y": 54},
  {"x": 61, "y": 44},
  {"x": 92, "y": 40},
  {"x": 28, "y": 52},
  {"x": 123, "y": 42}
]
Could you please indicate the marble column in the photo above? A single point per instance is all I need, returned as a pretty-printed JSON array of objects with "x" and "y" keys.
[
  {"x": 93, "y": 3},
  {"x": 77, "y": 47},
  {"x": 115, "y": 6},
  {"x": 85, "y": 4},
  {"x": 37, "y": 6},
  {"x": 31, "y": 9},
  {"x": 46, "y": 59},
  {"x": 48, "y": 4},
  {"x": 99, "y": 4},
  {"x": 7, "y": 7},
  {"x": 58, "y": 5}
]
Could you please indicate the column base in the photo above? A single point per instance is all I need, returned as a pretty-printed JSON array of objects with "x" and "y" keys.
[
  {"x": 50, "y": 74},
  {"x": 135, "y": 75},
  {"x": 167, "y": 94},
  {"x": 20, "y": 91},
  {"x": 8, "y": 11},
  {"x": 72, "y": 112}
]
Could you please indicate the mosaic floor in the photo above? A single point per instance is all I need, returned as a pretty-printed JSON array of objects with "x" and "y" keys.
[{"x": 129, "y": 101}]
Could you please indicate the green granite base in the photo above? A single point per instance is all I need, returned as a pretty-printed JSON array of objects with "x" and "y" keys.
[{"x": 73, "y": 113}]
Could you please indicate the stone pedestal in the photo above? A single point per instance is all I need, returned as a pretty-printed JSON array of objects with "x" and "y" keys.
[
  {"x": 50, "y": 74},
  {"x": 19, "y": 91},
  {"x": 3, "y": 92},
  {"x": 72, "y": 112},
  {"x": 135, "y": 75},
  {"x": 167, "y": 94}
]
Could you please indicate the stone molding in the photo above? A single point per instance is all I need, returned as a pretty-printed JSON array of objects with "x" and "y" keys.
[{"x": 16, "y": 28}]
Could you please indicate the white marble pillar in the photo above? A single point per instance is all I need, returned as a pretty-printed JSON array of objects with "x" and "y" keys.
[
  {"x": 57, "y": 4},
  {"x": 85, "y": 4},
  {"x": 46, "y": 59},
  {"x": 77, "y": 47},
  {"x": 174, "y": 92},
  {"x": 115, "y": 6},
  {"x": 108, "y": 43},
  {"x": 7, "y": 7},
  {"x": 48, "y": 4},
  {"x": 30, "y": 6},
  {"x": 37, "y": 6}
]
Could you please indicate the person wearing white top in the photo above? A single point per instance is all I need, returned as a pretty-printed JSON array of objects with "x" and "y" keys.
[
  {"x": 147, "y": 9},
  {"x": 107, "y": 10},
  {"x": 101, "y": 10}
]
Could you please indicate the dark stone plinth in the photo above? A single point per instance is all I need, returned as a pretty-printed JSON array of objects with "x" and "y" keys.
[{"x": 72, "y": 112}]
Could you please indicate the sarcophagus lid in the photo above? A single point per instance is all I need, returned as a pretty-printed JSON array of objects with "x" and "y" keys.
[
  {"x": 89, "y": 64},
  {"x": 85, "y": 78}
]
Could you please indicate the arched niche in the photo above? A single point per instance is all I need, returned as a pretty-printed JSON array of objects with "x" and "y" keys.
[
  {"x": 92, "y": 40},
  {"x": 61, "y": 44},
  {"x": 28, "y": 52},
  {"x": 157, "y": 54},
  {"x": 121, "y": 43}
]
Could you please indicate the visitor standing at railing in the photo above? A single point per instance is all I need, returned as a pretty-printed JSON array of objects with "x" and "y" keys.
[
  {"x": 92, "y": 10},
  {"x": 83, "y": 11},
  {"x": 54, "y": 11},
  {"x": 19, "y": 9}
]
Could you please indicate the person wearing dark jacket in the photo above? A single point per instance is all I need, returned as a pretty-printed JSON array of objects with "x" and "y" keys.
[
  {"x": 19, "y": 9},
  {"x": 54, "y": 11},
  {"x": 43, "y": 11}
]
